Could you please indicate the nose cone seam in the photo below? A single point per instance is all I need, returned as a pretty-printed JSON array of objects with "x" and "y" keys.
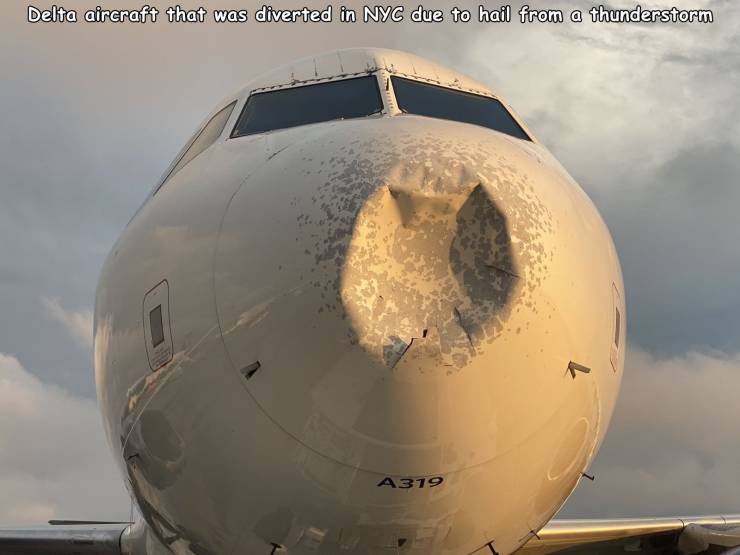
[{"x": 394, "y": 260}]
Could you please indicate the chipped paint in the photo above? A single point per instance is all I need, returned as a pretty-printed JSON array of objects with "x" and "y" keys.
[{"x": 422, "y": 234}]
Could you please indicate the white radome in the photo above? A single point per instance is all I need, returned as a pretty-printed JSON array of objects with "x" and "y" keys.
[{"x": 363, "y": 312}]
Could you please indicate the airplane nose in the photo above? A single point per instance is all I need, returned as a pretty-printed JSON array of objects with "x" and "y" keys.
[{"x": 368, "y": 267}]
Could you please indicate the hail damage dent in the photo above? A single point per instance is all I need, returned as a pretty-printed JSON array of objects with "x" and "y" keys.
[{"x": 429, "y": 244}]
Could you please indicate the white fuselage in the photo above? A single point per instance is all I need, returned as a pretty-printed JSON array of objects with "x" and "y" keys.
[{"x": 367, "y": 332}]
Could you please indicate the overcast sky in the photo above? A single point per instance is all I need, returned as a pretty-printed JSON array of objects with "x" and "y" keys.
[{"x": 645, "y": 117}]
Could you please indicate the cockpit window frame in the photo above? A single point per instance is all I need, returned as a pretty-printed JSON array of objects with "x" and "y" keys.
[
  {"x": 234, "y": 134},
  {"x": 529, "y": 138},
  {"x": 173, "y": 168}
]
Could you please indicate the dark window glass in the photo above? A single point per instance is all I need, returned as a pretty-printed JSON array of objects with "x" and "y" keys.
[
  {"x": 156, "y": 326},
  {"x": 351, "y": 98},
  {"x": 423, "y": 99},
  {"x": 618, "y": 325}
]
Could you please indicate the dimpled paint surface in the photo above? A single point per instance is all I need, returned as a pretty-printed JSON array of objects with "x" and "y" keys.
[{"x": 427, "y": 243}]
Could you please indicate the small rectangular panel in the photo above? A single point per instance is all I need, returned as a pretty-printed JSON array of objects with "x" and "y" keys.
[
  {"x": 157, "y": 329},
  {"x": 617, "y": 329},
  {"x": 156, "y": 325}
]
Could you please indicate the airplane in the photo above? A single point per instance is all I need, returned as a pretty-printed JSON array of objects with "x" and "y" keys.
[{"x": 364, "y": 311}]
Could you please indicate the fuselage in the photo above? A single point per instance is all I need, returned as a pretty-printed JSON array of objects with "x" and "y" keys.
[{"x": 389, "y": 333}]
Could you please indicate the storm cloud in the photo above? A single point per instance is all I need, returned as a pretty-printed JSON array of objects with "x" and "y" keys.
[
  {"x": 644, "y": 116},
  {"x": 672, "y": 448},
  {"x": 53, "y": 461}
]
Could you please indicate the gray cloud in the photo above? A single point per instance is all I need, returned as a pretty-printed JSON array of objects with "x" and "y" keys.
[
  {"x": 78, "y": 323},
  {"x": 672, "y": 447},
  {"x": 54, "y": 462},
  {"x": 682, "y": 258}
]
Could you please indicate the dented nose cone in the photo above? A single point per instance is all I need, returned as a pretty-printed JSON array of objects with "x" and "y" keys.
[
  {"x": 427, "y": 271},
  {"x": 372, "y": 269}
]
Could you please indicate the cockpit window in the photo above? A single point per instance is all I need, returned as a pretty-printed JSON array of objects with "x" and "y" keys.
[
  {"x": 422, "y": 99},
  {"x": 349, "y": 98},
  {"x": 209, "y": 135}
]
